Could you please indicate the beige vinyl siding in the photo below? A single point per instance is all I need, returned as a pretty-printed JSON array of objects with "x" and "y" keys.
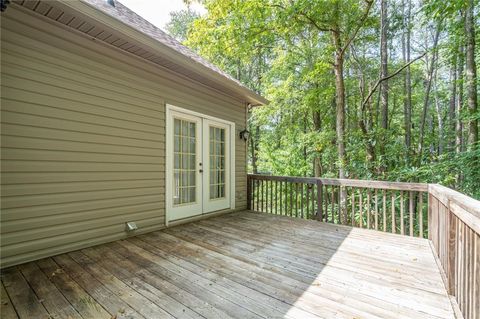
[{"x": 83, "y": 139}]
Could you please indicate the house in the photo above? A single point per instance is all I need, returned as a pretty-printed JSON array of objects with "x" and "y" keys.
[
  {"x": 117, "y": 143},
  {"x": 107, "y": 120}
]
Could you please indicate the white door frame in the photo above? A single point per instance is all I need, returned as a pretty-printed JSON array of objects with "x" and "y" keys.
[{"x": 170, "y": 109}]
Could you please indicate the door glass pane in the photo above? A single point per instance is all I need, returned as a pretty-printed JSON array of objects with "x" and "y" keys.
[
  {"x": 217, "y": 160},
  {"x": 184, "y": 156}
]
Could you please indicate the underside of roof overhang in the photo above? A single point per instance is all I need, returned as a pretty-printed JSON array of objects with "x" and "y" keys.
[{"x": 102, "y": 22}]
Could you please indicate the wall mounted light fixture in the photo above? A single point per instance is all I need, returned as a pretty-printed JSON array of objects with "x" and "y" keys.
[{"x": 244, "y": 135}]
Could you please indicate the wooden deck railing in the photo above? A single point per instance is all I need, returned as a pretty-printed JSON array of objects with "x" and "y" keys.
[
  {"x": 450, "y": 220},
  {"x": 454, "y": 229},
  {"x": 386, "y": 206}
]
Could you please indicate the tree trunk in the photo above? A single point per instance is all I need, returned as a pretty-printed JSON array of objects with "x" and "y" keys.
[
  {"x": 384, "y": 65},
  {"x": 407, "y": 84},
  {"x": 340, "y": 103},
  {"x": 459, "y": 102},
  {"x": 452, "y": 102},
  {"x": 471, "y": 76},
  {"x": 317, "y": 162},
  {"x": 438, "y": 108},
  {"x": 340, "y": 118},
  {"x": 428, "y": 88}
]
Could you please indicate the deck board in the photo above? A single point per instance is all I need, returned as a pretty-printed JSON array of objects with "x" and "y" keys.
[{"x": 240, "y": 265}]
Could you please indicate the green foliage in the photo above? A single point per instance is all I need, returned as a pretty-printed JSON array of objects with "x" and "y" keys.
[
  {"x": 180, "y": 23},
  {"x": 283, "y": 49}
]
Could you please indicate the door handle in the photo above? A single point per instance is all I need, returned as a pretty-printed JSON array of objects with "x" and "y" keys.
[{"x": 200, "y": 170}]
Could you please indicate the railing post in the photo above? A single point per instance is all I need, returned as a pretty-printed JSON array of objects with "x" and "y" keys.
[
  {"x": 249, "y": 192},
  {"x": 319, "y": 200}
]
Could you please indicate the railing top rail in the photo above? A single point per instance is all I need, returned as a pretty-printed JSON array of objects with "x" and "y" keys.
[
  {"x": 463, "y": 206},
  {"x": 291, "y": 179},
  {"x": 421, "y": 187}
]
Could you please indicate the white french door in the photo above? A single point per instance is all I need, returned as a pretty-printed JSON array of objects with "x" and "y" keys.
[
  {"x": 199, "y": 164},
  {"x": 216, "y": 161}
]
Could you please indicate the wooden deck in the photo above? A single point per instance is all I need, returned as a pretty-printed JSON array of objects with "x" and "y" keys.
[{"x": 241, "y": 265}]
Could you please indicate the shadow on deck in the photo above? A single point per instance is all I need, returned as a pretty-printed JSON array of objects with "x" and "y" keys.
[{"x": 240, "y": 265}]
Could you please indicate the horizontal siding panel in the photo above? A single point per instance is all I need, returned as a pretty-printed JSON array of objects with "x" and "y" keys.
[
  {"x": 32, "y": 104},
  {"x": 19, "y": 124},
  {"x": 57, "y": 188},
  {"x": 78, "y": 207},
  {"x": 77, "y": 156},
  {"x": 16, "y": 166},
  {"x": 144, "y": 104},
  {"x": 49, "y": 199},
  {"x": 96, "y": 238},
  {"x": 65, "y": 145},
  {"x": 67, "y": 228},
  {"x": 118, "y": 109},
  {"x": 51, "y": 220},
  {"x": 71, "y": 238},
  {"x": 105, "y": 63},
  {"x": 56, "y": 177}
]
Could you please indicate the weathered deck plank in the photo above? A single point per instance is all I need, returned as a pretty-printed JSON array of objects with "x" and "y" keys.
[{"x": 241, "y": 265}]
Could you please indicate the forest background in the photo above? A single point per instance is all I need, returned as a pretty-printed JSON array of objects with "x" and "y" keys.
[{"x": 361, "y": 89}]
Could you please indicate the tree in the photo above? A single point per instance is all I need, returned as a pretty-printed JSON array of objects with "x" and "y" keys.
[
  {"x": 471, "y": 75},
  {"x": 320, "y": 64},
  {"x": 180, "y": 22}
]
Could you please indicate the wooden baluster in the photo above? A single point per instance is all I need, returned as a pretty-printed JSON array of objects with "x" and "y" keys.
[
  {"x": 308, "y": 202},
  {"x": 286, "y": 198},
  {"x": 394, "y": 226},
  {"x": 276, "y": 197},
  {"x": 369, "y": 195},
  {"x": 271, "y": 197},
  {"x": 301, "y": 200},
  {"x": 267, "y": 182},
  {"x": 249, "y": 194},
  {"x": 319, "y": 200},
  {"x": 353, "y": 206},
  {"x": 281, "y": 197},
  {"x": 263, "y": 197},
  {"x": 384, "y": 210},
  {"x": 332, "y": 218},
  {"x": 325, "y": 204},
  {"x": 258, "y": 195},
  {"x": 268, "y": 200},
  {"x": 360, "y": 206},
  {"x": 291, "y": 199},
  {"x": 376, "y": 209},
  {"x": 402, "y": 228},
  {"x": 296, "y": 199},
  {"x": 420, "y": 216},
  {"x": 411, "y": 212}
]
